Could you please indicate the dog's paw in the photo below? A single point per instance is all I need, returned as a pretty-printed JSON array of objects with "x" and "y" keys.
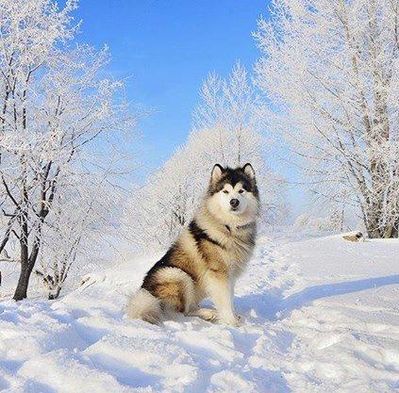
[
  {"x": 207, "y": 314},
  {"x": 231, "y": 320}
]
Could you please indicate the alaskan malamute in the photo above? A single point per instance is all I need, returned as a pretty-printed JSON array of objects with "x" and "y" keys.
[{"x": 208, "y": 256}]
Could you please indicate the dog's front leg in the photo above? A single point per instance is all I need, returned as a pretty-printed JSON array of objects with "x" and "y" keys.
[{"x": 220, "y": 289}]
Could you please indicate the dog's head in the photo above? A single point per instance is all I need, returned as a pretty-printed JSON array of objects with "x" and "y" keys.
[{"x": 233, "y": 195}]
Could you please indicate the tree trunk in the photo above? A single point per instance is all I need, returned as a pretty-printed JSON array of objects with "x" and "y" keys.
[
  {"x": 54, "y": 293},
  {"x": 27, "y": 262},
  {"x": 23, "y": 282},
  {"x": 371, "y": 222},
  {"x": 373, "y": 233},
  {"x": 374, "y": 230},
  {"x": 391, "y": 231},
  {"x": 22, "y": 287}
]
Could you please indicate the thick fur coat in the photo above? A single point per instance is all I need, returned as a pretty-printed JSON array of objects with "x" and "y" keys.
[{"x": 208, "y": 256}]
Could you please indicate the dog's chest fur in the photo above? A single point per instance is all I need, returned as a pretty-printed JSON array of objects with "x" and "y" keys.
[
  {"x": 238, "y": 243},
  {"x": 216, "y": 247}
]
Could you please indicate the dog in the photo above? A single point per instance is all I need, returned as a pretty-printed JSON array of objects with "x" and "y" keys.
[{"x": 208, "y": 256}]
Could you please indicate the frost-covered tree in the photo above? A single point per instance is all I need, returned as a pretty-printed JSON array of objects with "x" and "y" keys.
[
  {"x": 231, "y": 107},
  {"x": 82, "y": 217},
  {"x": 330, "y": 70},
  {"x": 227, "y": 130},
  {"x": 54, "y": 107}
]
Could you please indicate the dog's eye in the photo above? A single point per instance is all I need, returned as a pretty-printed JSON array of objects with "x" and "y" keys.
[
  {"x": 225, "y": 191},
  {"x": 241, "y": 191}
]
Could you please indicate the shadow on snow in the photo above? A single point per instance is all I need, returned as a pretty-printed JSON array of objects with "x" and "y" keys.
[{"x": 271, "y": 306}]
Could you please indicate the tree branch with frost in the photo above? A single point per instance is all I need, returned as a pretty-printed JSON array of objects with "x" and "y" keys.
[
  {"x": 332, "y": 66},
  {"x": 54, "y": 107}
]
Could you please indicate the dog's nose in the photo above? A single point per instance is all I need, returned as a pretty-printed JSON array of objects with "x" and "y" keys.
[{"x": 234, "y": 202}]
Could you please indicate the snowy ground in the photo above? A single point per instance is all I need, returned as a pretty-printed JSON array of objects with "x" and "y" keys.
[{"x": 321, "y": 315}]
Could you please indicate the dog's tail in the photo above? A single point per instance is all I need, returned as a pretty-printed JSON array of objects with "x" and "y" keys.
[{"x": 143, "y": 305}]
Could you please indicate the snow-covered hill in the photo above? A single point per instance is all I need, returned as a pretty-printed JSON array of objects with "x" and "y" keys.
[{"x": 320, "y": 315}]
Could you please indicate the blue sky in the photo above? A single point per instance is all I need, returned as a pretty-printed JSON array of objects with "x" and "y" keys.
[{"x": 168, "y": 47}]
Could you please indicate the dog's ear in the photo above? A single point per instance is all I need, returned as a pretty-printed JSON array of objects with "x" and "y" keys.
[
  {"x": 249, "y": 170},
  {"x": 217, "y": 172}
]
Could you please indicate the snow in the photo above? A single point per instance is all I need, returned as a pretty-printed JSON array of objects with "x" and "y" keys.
[{"x": 320, "y": 315}]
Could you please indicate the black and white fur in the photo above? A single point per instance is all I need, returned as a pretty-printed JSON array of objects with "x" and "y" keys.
[{"x": 208, "y": 256}]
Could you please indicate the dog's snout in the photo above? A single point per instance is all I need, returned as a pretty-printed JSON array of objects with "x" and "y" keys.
[{"x": 234, "y": 202}]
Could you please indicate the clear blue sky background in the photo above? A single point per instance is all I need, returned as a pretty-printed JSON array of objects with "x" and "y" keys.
[{"x": 167, "y": 48}]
